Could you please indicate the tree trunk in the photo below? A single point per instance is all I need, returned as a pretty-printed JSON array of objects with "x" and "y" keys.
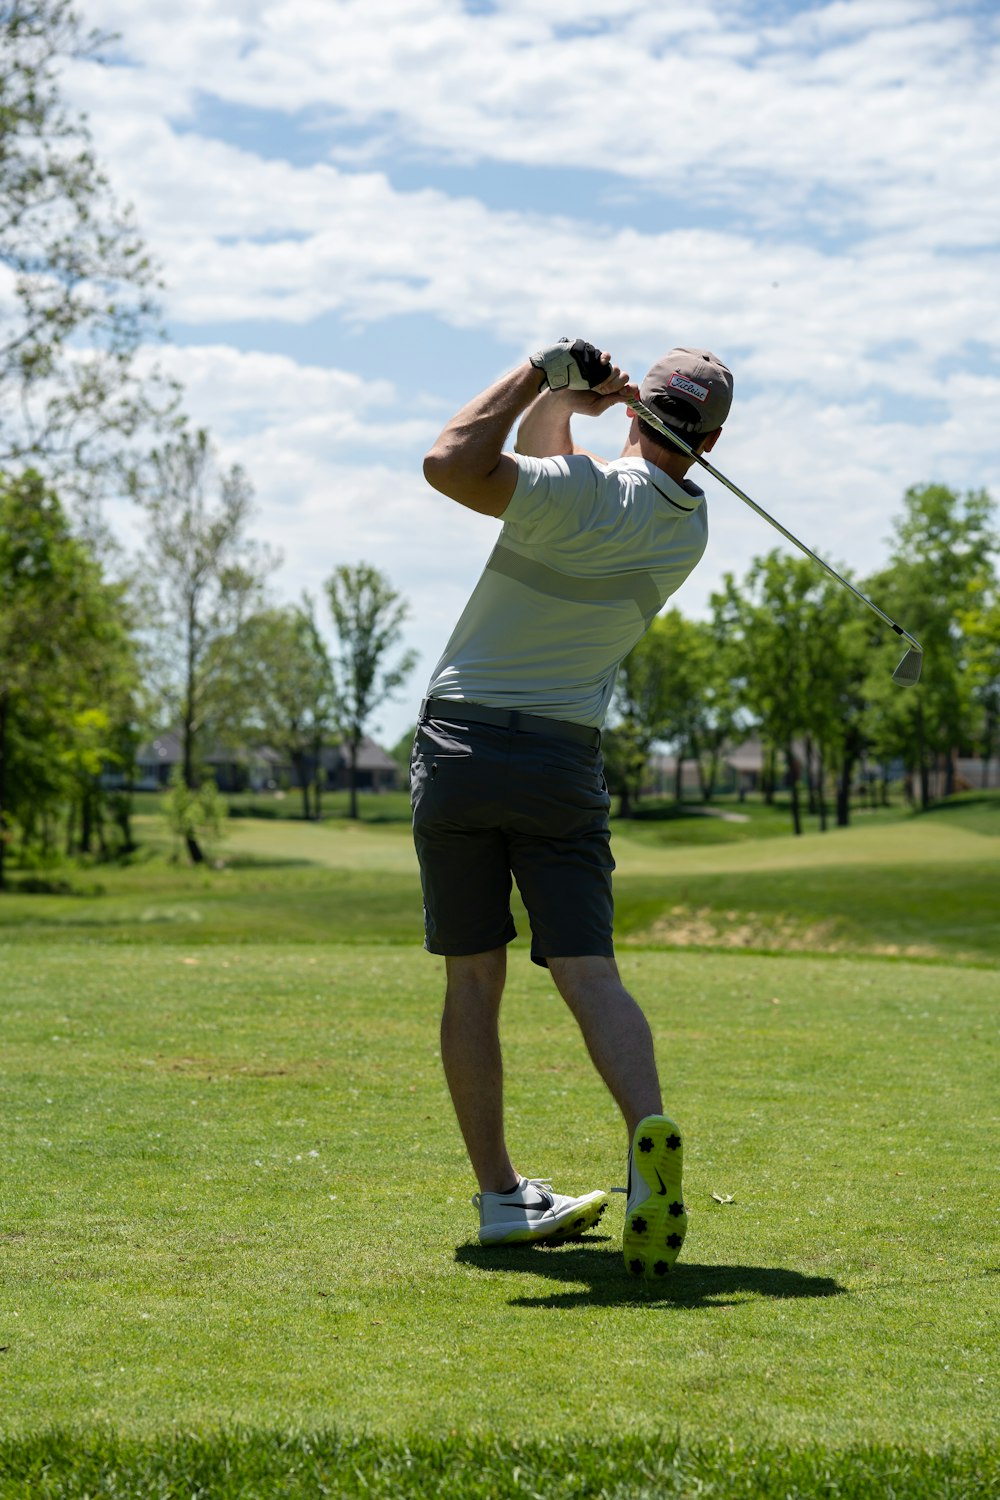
[
  {"x": 678, "y": 775},
  {"x": 793, "y": 783},
  {"x": 844, "y": 792},
  {"x": 353, "y": 778},
  {"x": 949, "y": 774},
  {"x": 821, "y": 789},
  {"x": 299, "y": 761},
  {"x": 121, "y": 811},
  {"x": 989, "y": 732},
  {"x": 924, "y": 768},
  {"x": 193, "y": 847},
  {"x": 809, "y": 775},
  {"x": 768, "y": 776}
]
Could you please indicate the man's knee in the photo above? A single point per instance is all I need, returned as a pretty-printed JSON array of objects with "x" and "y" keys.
[
  {"x": 476, "y": 975},
  {"x": 576, "y": 978}
]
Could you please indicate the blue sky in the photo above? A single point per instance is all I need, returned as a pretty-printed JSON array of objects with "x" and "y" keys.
[{"x": 367, "y": 209}]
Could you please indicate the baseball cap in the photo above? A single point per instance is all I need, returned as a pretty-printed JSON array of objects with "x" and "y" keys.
[{"x": 690, "y": 389}]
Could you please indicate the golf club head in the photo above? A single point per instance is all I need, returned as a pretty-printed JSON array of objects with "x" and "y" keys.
[{"x": 908, "y": 671}]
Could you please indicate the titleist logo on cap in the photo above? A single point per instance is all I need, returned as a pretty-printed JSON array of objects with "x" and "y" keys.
[{"x": 689, "y": 387}]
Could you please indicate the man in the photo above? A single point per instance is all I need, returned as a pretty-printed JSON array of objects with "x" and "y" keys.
[{"x": 507, "y": 774}]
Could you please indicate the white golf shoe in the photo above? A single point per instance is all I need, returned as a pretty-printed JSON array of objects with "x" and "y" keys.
[
  {"x": 532, "y": 1211},
  {"x": 655, "y": 1216}
]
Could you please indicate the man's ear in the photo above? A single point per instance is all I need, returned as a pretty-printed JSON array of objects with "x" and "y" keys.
[{"x": 709, "y": 442}]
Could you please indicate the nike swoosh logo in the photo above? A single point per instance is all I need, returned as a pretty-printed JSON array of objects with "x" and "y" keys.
[
  {"x": 539, "y": 1203},
  {"x": 662, "y": 1191}
]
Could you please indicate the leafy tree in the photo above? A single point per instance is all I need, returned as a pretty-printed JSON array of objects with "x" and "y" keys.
[
  {"x": 368, "y": 615},
  {"x": 205, "y": 578},
  {"x": 672, "y": 653},
  {"x": 719, "y": 718},
  {"x": 289, "y": 692},
  {"x": 980, "y": 623},
  {"x": 624, "y": 762},
  {"x": 942, "y": 553},
  {"x": 769, "y": 621},
  {"x": 640, "y": 709},
  {"x": 81, "y": 286},
  {"x": 66, "y": 660},
  {"x": 195, "y": 814}
]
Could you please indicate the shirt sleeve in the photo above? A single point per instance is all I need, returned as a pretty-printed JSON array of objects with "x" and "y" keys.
[{"x": 553, "y": 497}]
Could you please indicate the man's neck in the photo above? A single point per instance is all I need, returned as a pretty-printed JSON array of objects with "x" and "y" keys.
[{"x": 675, "y": 464}]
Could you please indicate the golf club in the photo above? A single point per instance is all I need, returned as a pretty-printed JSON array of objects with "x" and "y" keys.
[{"x": 908, "y": 670}]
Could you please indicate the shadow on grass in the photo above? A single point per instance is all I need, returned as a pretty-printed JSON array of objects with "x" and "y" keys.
[{"x": 598, "y": 1265}]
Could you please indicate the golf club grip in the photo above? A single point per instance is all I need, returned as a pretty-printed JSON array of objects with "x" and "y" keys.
[{"x": 641, "y": 410}]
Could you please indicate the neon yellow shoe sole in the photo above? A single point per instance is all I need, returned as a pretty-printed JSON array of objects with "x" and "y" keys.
[{"x": 655, "y": 1216}]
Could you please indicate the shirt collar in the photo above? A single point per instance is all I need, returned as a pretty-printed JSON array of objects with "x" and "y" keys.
[{"x": 670, "y": 489}]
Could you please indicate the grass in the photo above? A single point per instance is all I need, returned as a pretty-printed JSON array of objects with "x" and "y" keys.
[
  {"x": 300, "y": 1467},
  {"x": 921, "y": 887},
  {"x": 236, "y": 1251}
]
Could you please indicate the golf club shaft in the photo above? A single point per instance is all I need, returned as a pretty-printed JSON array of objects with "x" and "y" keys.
[{"x": 643, "y": 411}]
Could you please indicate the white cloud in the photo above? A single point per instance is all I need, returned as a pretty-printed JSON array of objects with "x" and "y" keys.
[
  {"x": 854, "y": 99},
  {"x": 879, "y": 317}
]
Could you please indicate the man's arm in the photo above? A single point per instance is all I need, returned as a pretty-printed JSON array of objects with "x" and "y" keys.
[
  {"x": 468, "y": 464},
  {"x": 544, "y": 430}
]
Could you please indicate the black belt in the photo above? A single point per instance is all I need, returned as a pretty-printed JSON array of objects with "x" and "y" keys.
[{"x": 464, "y": 712}]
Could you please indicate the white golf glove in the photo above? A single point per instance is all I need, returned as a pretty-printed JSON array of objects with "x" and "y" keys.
[{"x": 576, "y": 366}]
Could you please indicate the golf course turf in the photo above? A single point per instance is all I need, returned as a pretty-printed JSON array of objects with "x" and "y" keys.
[{"x": 237, "y": 1251}]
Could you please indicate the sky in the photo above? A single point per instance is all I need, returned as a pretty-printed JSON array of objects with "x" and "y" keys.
[{"x": 367, "y": 210}]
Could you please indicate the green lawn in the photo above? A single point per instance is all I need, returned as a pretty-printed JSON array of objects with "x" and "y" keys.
[{"x": 236, "y": 1247}]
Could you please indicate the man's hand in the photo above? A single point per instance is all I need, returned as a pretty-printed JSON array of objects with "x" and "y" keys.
[
  {"x": 545, "y": 426},
  {"x": 577, "y": 366},
  {"x": 612, "y": 391}
]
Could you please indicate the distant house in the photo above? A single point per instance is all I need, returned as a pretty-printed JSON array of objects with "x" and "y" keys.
[
  {"x": 261, "y": 767},
  {"x": 234, "y": 770},
  {"x": 376, "y": 769},
  {"x": 741, "y": 769}
]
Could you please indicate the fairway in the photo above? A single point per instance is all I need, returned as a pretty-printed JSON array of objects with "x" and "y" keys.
[{"x": 235, "y": 1200}]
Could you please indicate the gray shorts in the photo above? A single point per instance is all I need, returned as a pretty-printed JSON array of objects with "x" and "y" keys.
[{"x": 492, "y": 803}]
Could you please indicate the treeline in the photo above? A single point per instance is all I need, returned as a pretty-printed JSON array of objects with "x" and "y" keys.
[
  {"x": 792, "y": 656},
  {"x": 189, "y": 639}
]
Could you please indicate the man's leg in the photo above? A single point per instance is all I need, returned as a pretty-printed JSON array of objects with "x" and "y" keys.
[
  {"x": 615, "y": 1030},
  {"x": 473, "y": 1066}
]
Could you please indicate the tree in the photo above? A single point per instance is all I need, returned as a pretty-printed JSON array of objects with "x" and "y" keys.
[
  {"x": 719, "y": 718},
  {"x": 368, "y": 615},
  {"x": 81, "y": 285},
  {"x": 289, "y": 692},
  {"x": 943, "y": 549},
  {"x": 769, "y": 619},
  {"x": 67, "y": 665},
  {"x": 640, "y": 708},
  {"x": 205, "y": 577},
  {"x": 980, "y": 623},
  {"x": 194, "y": 815}
]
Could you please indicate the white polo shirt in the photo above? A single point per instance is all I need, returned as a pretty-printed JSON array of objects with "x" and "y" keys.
[{"x": 588, "y": 556}]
